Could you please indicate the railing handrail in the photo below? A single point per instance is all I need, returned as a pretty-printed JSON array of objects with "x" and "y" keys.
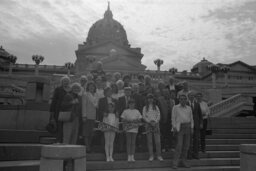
[{"x": 227, "y": 103}]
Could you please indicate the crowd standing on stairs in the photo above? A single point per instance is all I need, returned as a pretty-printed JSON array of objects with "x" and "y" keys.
[{"x": 111, "y": 112}]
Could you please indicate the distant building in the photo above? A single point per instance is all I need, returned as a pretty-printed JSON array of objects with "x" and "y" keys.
[
  {"x": 239, "y": 71},
  {"x": 107, "y": 42}
]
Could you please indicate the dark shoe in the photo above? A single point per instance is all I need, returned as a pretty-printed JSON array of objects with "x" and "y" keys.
[
  {"x": 195, "y": 157},
  {"x": 186, "y": 164},
  {"x": 174, "y": 167},
  {"x": 88, "y": 150},
  {"x": 175, "y": 164},
  {"x": 190, "y": 157}
]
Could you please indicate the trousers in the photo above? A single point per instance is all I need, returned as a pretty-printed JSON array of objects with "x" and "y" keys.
[{"x": 183, "y": 142}]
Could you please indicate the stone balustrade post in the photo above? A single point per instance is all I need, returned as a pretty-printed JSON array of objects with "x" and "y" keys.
[
  {"x": 10, "y": 69},
  {"x": 59, "y": 157},
  {"x": 247, "y": 157},
  {"x": 36, "y": 69}
]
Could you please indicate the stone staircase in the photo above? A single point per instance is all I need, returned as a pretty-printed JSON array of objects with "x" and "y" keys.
[{"x": 222, "y": 151}]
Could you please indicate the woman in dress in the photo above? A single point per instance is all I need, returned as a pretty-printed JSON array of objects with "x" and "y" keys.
[
  {"x": 89, "y": 106},
  {"x": 110, "y": 118},
  {"x": 151, "y": 115}
]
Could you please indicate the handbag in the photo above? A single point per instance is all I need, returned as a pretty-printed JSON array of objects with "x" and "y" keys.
[
  {"x": 51, "y": 128},
  {"x": 64, "y": 116}
]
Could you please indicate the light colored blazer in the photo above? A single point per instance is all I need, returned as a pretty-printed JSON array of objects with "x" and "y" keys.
[{"x": 88, "y": 107}]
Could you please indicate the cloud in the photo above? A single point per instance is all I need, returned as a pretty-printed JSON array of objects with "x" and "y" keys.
[
  {"x": 179, "y": 32},
  {"x": 239, "y": 28}
]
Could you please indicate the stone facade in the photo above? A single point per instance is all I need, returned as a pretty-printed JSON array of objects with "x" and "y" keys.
[{"x": 107, "y": 42}]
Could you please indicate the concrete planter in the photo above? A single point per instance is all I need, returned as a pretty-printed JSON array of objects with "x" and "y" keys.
[{"x": 248, "y": 157}]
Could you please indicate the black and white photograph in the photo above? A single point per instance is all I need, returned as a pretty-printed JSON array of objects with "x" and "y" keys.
[{"x": 127, "y": 85}]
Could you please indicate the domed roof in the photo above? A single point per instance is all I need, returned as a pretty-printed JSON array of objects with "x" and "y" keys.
[
  {"x": 3, "y": 52},
  {"x": 202, "y": 62},
  {"x": 107, "y": 29}
]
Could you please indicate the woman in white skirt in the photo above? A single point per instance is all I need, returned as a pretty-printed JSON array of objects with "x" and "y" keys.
[{"x": 110, "y": 119}]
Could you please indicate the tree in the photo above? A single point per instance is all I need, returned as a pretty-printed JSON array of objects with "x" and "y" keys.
[
  {"x": 158, "y": 63},
  {"x": 37, "y": 59},
  {"x": 173, "y": 70},
  {"x": 69, "y": 66}
]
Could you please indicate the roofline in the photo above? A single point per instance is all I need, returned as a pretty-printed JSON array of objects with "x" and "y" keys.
[{"x": 110, "y": 41}]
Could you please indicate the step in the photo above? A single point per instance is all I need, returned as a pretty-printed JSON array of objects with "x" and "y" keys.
[
  {"x": 95, "y": 165},
  {"x": 22, "y": 136},
  {"x": 232, "y": 119},
  {"x": 200, "y": 168},
  {"x": 12, "y": 152},
  {"x": 28, "y": 165},
  {"x": 234, "y": 131},
  {"x": 230, "y": 141},
  {"x": 231, "y": 136},
  {"x": 222, "y": 147},
  {"x": 232, "y": 125},
  {"x": 20, "y": 152},
  {"x": 33, "y": 165}
]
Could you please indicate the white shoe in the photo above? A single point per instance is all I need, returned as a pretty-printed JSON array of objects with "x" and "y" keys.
[
  {"x": 108, "y": 159},
  {"x": 132, "y": 158},
  {"x": 129, "y": 158},
  {"x": 111, "y": 159},
  {"x": 160, "y": 158},
  {"x": 151, "y": 158}
]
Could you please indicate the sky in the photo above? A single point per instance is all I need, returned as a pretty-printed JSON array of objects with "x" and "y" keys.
[{"x": 180, "y": 32}]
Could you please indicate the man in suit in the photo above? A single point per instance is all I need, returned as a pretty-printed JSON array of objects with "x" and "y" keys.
[{"x": 198, "y": 120}]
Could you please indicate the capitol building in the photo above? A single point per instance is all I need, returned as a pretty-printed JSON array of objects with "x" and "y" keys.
[{"x": 107, "y": 42}]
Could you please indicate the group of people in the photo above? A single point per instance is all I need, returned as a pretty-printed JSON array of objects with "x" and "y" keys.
[{"x": 169, "y": 116}]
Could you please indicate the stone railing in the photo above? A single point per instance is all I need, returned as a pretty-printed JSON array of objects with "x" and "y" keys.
[{"x": 222, "y": 108}]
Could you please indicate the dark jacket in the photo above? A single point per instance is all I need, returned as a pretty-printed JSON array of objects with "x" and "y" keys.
[
  {"x": 103, "y": 107},
  {"x": 139, "y": 101},
  {"x": 197, "y": 115},
  {"x": 57, "y": 99},
  {"x": 67, "y": 105},
  {"x": 121, "y": 105}
]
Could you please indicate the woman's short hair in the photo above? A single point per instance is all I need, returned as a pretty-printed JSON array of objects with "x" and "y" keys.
[
  {"x": 83, "y": 77},
  {"x": 106, "y": 89},
  {"x": 91, "y": 84},
  {"x": 120, "y": 82},
  {"x": 77, "y": 85},
  {"x": 114, "y": 88},
  {"x": 147, "y": 77},
  {"x": 64, "y": 78},
  {"x": 117, "y": 74},
  {"x": 126, "y": 77}
]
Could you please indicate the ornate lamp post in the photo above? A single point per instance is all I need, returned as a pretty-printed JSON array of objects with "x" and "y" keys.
[
  {"x": 37, "y": 59},
  {"x": 225, "y": 69},
  {"x": 158, "y": 63},
  {"x": 173, "y": 70},
  {"x": 69, "y": 66},
  {"x": 214, "y": 69},
  {"x": 12, "y": 60}
]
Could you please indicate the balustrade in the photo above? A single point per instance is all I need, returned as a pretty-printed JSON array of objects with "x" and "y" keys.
[{"x": 226, "y": 104}]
